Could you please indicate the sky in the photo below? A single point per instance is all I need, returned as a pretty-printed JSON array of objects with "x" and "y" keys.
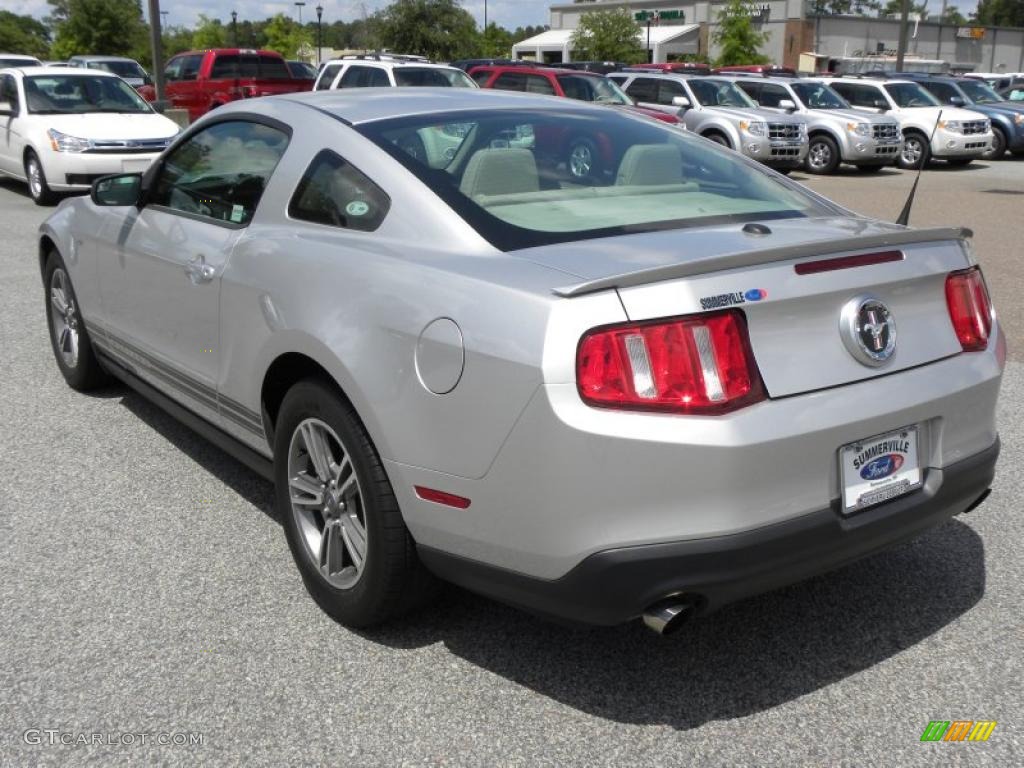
[{"x": 506, "y": 13}]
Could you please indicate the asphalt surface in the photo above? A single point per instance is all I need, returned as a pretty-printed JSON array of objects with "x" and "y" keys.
[{"x": 147, "y": 589}]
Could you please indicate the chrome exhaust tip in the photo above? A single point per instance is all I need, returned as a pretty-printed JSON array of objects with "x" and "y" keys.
[{"x": 666, "y": 617}]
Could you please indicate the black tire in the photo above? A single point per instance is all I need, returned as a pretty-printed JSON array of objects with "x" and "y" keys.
[
  {"x": 583, "y": 159},
  {"x": 959, "y": 162},
  {"x": 998, "y": 145},
  {"x": 718, "y": 139},
  {"x": 84, "y": 372},
  {"x": 392, "y": 580},
  {"x": 827, "y": 158},
  {"x": 870, "y": 168},
  {"x": 923, "y": 151},
  {"x": 38, "y": 189}
]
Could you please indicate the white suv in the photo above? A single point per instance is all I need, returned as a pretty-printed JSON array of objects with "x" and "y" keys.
[
  {"x": 382, "y": 71},
  {"x": 958, "y": 136}
]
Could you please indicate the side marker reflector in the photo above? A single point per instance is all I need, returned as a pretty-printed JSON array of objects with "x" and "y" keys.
[{"x": 440, "y": 497}]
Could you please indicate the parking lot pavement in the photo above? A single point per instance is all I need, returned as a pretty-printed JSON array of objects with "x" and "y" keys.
[{"x": 147, "y": 589}]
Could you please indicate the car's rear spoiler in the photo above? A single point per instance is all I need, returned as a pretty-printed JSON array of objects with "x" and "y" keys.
[{"x": 718, "y": 263}]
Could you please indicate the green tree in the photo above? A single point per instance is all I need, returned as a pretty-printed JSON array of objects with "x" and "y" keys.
[
  {"x": 739, "y": 42},
  {"x": 176, "y": 40},
  {"x": 284, "y": 35},
  {"x": 440, "y": 29},
  {"x": 608, "y": 36},
  {"x": 23, "y": 34},
  {"x": 953, "y": 17},
  {"x": 1000, "y": 13},
  {"x": 110, "y": 27},
  {"x": 209, "y": 33},
  {"x": 495, "y": 42}
]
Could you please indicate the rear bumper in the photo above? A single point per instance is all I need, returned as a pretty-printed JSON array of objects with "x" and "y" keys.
[{"x": 616, "y": 585}]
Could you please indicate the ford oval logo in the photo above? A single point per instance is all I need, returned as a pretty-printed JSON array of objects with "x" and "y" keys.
[
  {"x": 881, "y": 467},
  {"x": 755, "y": 294}
]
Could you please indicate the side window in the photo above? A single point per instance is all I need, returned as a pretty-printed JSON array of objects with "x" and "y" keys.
[
  {"x": 190, "y": 67},
  {"x": 224, "y": 66},
  {"x": 220, "y": 172},
  {"x": 539, "y": 84},
  {"x": 772, "y": 94},
  {"x": 481, "y": 77},
  {"x": 643, "y": 89},
  {"x": 668, "y": 90},
  {"x": 942, "y": 91},
  {"x": 338, "y": 194},
  {"x": 9, "y": 92},
  {"x": 173, "y": 69},
  {"x": 510, "y": 81},
  {"x": 354, "y": 77},
  {"x": 752, "y": 89},
  {"x": 327, "y": 77},
  {"x": 377, "y": 78},
  {"x": 857, "y": 95}
]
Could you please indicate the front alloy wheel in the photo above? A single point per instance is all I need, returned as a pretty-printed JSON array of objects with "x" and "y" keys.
[
  {"x": 327, "y": 503},
  {"x": 915, "y": 152},
  {"x": 583, "y": 161},
  {"x": 69, "y": 338},
  {"x": 822, "y": 155},
  {"x": 38, "y": 187}
]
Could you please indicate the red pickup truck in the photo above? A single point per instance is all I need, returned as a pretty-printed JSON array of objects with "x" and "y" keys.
[{"x": 202, "y": 80}]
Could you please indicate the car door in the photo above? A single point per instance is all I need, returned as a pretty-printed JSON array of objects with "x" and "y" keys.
[
  {"x": 12, "y": 128},
  {"x": 160, "y": 280}
]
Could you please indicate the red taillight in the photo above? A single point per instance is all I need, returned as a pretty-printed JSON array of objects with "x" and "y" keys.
[
  {"x": 700, "y": 365},
  {"x": 970, "y": 308}
]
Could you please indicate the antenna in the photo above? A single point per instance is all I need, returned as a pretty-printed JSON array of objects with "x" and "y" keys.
[{"x": 904, "y": 217}]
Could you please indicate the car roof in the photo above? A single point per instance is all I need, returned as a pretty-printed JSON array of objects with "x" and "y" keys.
[
  {"x": 65, "y": 71},
  {"x": 91, "y": 57},
  {"x": 520, "y": 68},
  {"x": 363, "y": 105}
]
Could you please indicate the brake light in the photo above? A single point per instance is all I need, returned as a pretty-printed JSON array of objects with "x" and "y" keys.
[
  {"x": 696, "y": 365},
  {"x": 970, "y": 308}
]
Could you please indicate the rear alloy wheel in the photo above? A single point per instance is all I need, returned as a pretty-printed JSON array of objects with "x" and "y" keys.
[
  {"x": 582, "y": 161},
  {"x": 916, "y": 152},
  {"x": 340, "y": 515},
  {"x": 72, "y": 347},
  {"x": 998, "y": 145},
  {"x": 37, "y": 186},
  {"x": 822, "y": 155}
]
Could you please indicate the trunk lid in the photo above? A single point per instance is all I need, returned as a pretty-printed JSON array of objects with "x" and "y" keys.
[{"x": 793, "y": 319}]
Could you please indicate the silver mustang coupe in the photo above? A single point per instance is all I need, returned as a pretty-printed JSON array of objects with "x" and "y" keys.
[{"x": 646, "y": 392}]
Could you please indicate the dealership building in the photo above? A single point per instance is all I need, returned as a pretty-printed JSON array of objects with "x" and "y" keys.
[{"x": 672, "y": 29}]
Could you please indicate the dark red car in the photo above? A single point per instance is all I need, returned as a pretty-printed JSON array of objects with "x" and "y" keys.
[
  {"x": 675, "y": 67},
  {"x": 203, "y": 80},
  {"x": 755, "y": 69},
  {"x": 584, "y": 156}
]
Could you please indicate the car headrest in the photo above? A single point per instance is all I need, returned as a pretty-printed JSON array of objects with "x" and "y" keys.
[
  {"x": 500, "y": 172},
  {"x": 646, "y": 164}
]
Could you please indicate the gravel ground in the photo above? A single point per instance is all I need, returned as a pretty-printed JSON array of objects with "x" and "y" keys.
[{"x": 147, "y": 589}]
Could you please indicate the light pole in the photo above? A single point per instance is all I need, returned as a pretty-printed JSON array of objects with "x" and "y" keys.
[
  {"x": 234, "y": 28},
  {"x": 319, "y": 33},
  {"x": 163, "y": 18},
  {"x": 157, "y": 44},
  {"x": 299, "y": 6}
]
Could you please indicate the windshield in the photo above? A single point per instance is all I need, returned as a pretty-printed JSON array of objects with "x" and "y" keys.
[
  {"x": 599, "y": 89},
  {"x": 819, "y": 96},
  {"x": 526, "y": 178},
  {"x": 78, "y": 94},
  {"x": 302, "y": 70},
  {"x": 719, "y": 93},
  {"x": 979, "y": 92},
  {"x": 121, "y": 68},
  {"x": 910, "y": 95},
  {"x": 434, "y": 77}
]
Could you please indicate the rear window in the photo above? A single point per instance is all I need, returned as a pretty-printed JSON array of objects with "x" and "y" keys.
[
  {"x": 434, "y": 77},
  {"x": 251, "y": 66},
  {"x": 525, "y": 178}
]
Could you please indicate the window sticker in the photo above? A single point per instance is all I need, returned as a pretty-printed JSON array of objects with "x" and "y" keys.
[
  {"x": 357, "y": 208},
  {"x": 237, "y": 213}
]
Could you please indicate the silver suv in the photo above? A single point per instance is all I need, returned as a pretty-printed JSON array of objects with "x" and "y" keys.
[
  {"x": 384, "y": 71},
  {"x": 837, "y": 132},
  {"x": 716, "y": 109}
]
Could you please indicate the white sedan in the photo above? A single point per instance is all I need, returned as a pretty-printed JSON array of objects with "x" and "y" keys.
[{"x": 62, "y": 128}]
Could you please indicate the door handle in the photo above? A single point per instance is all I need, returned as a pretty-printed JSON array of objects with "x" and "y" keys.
[{"x": 199, "y": 271}]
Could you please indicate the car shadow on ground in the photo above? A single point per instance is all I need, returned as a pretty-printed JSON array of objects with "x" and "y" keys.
[{"x": 748, "y": 657}]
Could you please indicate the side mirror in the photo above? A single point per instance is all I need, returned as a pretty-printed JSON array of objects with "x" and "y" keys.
[
  {"x": 957, "y": 101},
  {"x": 122, "y": 189},
  {"x": 881, "y": 104},
  {"x": 680, "y": 101},
  {"x": 787, "y": 104},
  {"x": 6, "y": 108}
]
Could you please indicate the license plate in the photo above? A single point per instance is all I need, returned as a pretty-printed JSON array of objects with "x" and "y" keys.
[
  {"x": 134, "y": 166},
  {"x": 879, "y": 469}
]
